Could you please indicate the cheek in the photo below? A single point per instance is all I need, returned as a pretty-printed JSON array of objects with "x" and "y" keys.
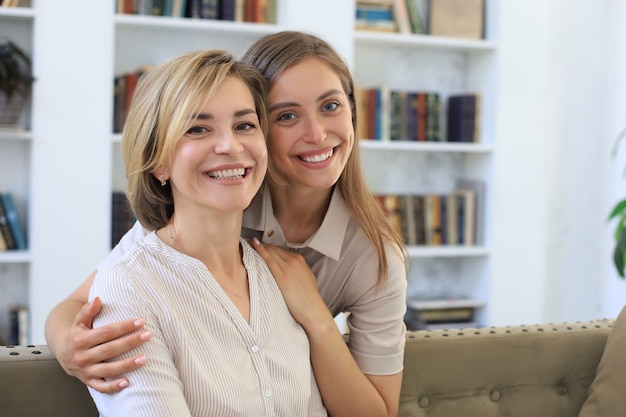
[{"x": 278, "y": 143}]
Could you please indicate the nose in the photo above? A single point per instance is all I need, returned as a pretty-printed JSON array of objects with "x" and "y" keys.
[
  {"x": 227, "y": 143},
  {"x": 315, "y": 131}
]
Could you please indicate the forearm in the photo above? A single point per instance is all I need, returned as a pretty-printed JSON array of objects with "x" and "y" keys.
[
  {"x": 58, "y": 325},
  {"x": 339, "y": 377}
]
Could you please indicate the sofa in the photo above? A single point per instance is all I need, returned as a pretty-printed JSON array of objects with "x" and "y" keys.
[{"x": 551, "y": 370}]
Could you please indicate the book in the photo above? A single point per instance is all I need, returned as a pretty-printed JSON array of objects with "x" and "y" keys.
[
  {"x": 375, "y": 16},
  {"x": 422, "y": 115},
  {"x": 433, "y": 131},
  {"x": 456, "y": 18},
  {"x": 389, "y": 205},
  {"x": 407, "y": 216},
  {"x": 466, "y": 203},
  {"x": 432, "y": 219},
  {"x": 228, "y": 10},
  {"x": 3, "y": 243},
  {"x": 441, "y": 313},
  {"x": 415, "y": 21},
  {"x": 5, "y": 230},
  {"x": 418, "y": 216},
  {"x": 415, "y": 325},
  {"x": 452, "y": 234},
  {"x": 443, "y": 303},
  {"x": 479, "y": 190},
  {"x": 18, "y": 318},
  {"x": 398, "y": 116},
  {"x": 463, "y": 118},
  {"x": 401, "y": 16},
  {"x": 13, "y": 220}
]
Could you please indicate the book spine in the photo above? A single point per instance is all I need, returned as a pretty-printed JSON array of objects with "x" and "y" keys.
[
  {"x": 6, "y": 230},
  {"x": 15, "y": 226}
]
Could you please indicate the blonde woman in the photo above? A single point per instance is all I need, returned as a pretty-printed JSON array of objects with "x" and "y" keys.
[{"x": 223, "y": 341}]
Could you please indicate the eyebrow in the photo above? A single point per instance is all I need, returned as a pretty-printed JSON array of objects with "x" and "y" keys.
[
  {"x": 209, "y": 116},
  {"x": 323, "y": 96}
]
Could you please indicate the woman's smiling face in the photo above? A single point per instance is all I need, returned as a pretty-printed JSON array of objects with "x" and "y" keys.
[{"x": 311, "y": 132}]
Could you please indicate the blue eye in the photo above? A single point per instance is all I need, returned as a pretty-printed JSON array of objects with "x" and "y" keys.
[
  {"x": 330, "y": 106},
  {"x": 286, "y": 117}
]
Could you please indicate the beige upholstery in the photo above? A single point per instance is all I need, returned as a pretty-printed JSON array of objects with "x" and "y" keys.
[
  {"x": 531, "y": 371},
  {"x": 32, "y": 384},
  {"x": 528, "y": 371}
]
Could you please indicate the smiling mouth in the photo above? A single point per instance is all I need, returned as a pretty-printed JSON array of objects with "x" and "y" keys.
[
  {"x": 318, "y": 158},
  {"x": 228, "y": 174}
]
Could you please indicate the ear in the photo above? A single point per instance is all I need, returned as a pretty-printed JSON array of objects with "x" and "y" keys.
[{"x": 160, "y": 176}]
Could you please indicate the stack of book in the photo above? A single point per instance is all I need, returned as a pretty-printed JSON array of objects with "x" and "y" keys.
[
  {"x": 433, "y": 314},
  {"x": 456, "y": 218},
  {"x": 376, "y": 15},
  {"x": 402, "y": 115},
  {"x": 254, "y": 11}
]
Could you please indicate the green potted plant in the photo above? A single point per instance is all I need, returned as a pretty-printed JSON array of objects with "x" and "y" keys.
[
  {"x": 619, "y": 213},
  {"x": 15, "y": 82}
]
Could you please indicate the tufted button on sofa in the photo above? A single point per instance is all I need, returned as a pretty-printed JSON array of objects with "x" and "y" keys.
[{"x": 551, "y": 370}]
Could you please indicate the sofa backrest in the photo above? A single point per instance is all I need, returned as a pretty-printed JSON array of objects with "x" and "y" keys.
[
  {"x": 526, "y": 371},
  {"x": 541, "y": 370},
  {"x": 33, "y": 384}
]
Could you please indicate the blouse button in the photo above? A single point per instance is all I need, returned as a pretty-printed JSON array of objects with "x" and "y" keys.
[
  {"x": 267, "y": 392},
  {"x": 255, "y": 348},
  {"x": 270, "y": 233}
]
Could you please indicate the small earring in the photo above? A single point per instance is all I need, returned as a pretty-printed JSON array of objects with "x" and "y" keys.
[{"x": 163, "y": 180}]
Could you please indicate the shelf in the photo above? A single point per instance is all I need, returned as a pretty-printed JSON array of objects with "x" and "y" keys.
[
  {"x": 447, "y": 251},
  {"x": 187, "y": 24},
  {"x": 16, "y": 13},
  {"x": 365, "y": 38},
  {"x": 15, "y": 257},
  {"x": 15, "y": 134},
  {"x": 397, "y": 146}
]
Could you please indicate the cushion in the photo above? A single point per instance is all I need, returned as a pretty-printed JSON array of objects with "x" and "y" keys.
[{"x": 607, "y": 394}]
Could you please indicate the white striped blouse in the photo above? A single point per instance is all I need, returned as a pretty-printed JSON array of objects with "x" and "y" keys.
[{"x": 204, "y": 358}]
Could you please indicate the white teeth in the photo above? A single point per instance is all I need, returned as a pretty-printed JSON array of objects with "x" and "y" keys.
[
  {"x": 228, "y": 174},
  {"x": 317, "y": 158}
]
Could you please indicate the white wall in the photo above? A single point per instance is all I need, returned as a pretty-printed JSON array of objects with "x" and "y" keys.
[{"x": 560, "y": 96}]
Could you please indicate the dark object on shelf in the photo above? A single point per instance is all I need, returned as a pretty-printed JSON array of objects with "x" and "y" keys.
[{"x": 15, "y": 82}]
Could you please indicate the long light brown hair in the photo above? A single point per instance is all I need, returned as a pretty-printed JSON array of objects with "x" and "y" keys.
[{"x": 275, "y": 53}]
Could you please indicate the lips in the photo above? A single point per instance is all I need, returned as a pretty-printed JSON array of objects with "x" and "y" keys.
[
  {"x": 228, "y": 174},
  {"x": 317, "y": 158}
]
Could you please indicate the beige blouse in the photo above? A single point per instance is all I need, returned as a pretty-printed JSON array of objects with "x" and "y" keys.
[{"x": 204, "y": 359}]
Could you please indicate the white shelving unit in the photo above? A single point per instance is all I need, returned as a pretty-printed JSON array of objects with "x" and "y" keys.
[
  {"x": 447, "y": 66},
  {"x": 63, "y": 170},
  {"x": 16, "y": 25}
]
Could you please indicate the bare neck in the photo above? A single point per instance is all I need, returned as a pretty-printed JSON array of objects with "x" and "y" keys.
[{"x": 300, "y": 211}]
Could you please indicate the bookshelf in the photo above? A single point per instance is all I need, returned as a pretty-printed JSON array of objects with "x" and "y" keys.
[
  {"x": 16, "y": 25},
  {"x": 65, "y": 166},
  {"x": 447, "y": 66}
]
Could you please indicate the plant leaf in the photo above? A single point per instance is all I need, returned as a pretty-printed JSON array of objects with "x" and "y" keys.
[{"x": 619, "y": 209}]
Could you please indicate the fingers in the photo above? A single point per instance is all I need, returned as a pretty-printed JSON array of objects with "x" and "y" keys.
[
  {"x": 109, "y": 370},
  {"x": 275, "y": 253},
  {"x": 107, "y": 387},
  {"x": 88, "y": 312},
  {"x": 107, "y": 342}
]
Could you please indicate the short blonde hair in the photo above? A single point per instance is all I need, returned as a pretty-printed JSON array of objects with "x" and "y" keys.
[{"x": 159, "y": 116}]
